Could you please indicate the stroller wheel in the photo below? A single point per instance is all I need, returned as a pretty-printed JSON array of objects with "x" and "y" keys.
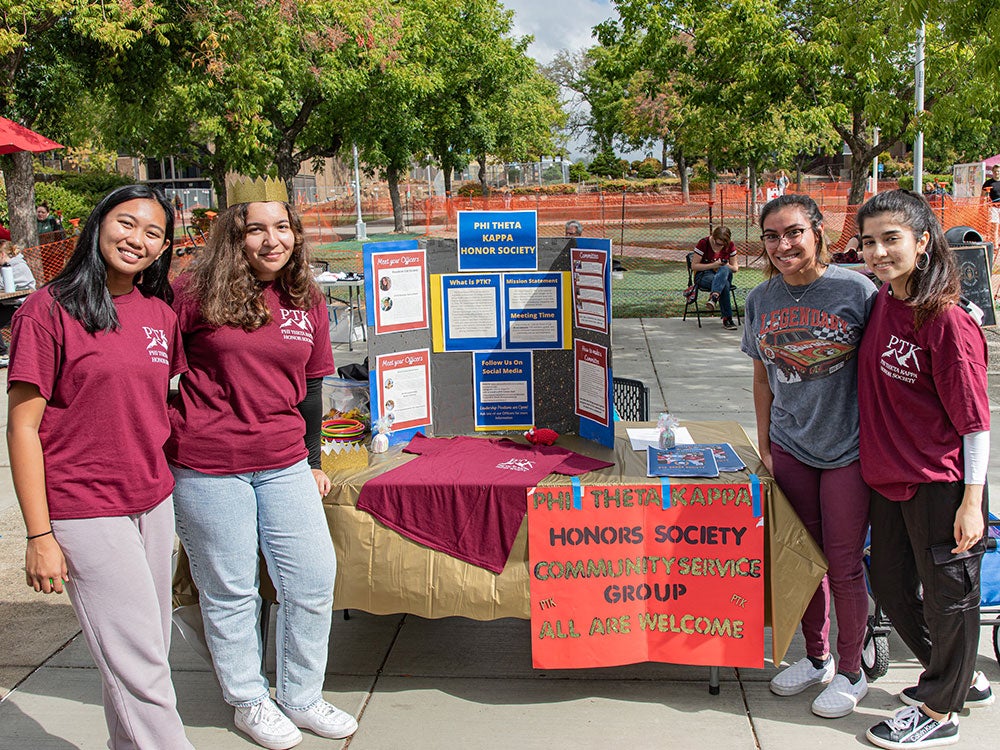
[{"x": 875, "y": 652}]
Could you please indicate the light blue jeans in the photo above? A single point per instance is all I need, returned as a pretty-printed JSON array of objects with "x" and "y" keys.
[
  {"x": 221, "y": 520},
  {"x": 718, "y": 282}
]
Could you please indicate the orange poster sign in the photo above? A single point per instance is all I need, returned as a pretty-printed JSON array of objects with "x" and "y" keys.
[{"x": 659, "y": 572}]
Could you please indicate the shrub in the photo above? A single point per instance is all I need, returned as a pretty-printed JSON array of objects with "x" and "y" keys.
[
  {"x": 469, "y": 189},
  {"x": 560, "y": 188}
]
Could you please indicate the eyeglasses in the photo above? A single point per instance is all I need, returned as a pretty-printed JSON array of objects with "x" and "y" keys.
[{"x": 792, "y": 236}]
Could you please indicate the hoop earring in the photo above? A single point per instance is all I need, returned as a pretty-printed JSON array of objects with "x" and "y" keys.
[{"x": 927, "y": 262}]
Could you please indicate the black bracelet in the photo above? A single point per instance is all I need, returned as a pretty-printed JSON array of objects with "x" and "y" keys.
[{"x": 44, "y": 533}]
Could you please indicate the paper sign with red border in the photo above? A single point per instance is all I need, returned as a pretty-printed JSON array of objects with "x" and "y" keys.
[
  {"x": 400, "y": 288},
  {"x": 592, "y": 400},
  {"x": 403, "y": 388},
  {"x": 621, "y": 575}
]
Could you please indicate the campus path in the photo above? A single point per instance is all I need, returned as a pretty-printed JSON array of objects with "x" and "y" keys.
[{"x": 454, "y": 683}]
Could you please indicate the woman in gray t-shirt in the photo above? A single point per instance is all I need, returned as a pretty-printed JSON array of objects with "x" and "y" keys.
[{"x": 802, "y": 330}]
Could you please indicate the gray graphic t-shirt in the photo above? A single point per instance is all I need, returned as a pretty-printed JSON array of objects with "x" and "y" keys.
[{"x": 809, "y": 348}]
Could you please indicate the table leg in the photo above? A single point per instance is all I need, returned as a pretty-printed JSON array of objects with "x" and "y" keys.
[{"x": 713, "y": 680}]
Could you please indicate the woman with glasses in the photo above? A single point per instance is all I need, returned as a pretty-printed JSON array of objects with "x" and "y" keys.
[
  {"x": 802, "y": 330},
  {"x": 714, "y": 263}
]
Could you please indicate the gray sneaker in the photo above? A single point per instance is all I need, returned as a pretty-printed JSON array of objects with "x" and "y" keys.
[
  {"x": 265, "y": 724},
  {"x": 801, "y": 675}
]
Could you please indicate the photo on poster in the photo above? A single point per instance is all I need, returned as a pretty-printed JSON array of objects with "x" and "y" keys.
[
  {"x": 592, "y": 391},
  {"x": 535, "y": 311},
  {"x": 471, "y": 312},
  {"x": 504, "y": 390},
  {"x": 497, "y": 241},
  {"x": 400, "y": 288},
  {"x": 403, "y": 388}
]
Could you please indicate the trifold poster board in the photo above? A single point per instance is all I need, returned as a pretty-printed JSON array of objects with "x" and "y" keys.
[
  {"x": 501, "y": 346},
  {"x": 669, "y": 572}
]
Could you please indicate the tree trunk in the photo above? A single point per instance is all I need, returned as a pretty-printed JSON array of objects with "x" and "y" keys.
[
  {"x": 19, "y": 180},
  {"x": 392, "y": 177},
  {"x": 482, "y": 176},
  {"x": 447, "y": 167},
  {"x": 712, "y": 181},
  {"x": 663, "y": 155},
  {"x": 683, "y": 172},
  {"x": 218, "y": 174},
  {"x": 754, "y": 203}
]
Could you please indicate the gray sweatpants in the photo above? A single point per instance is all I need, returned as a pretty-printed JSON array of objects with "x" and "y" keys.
[{"x": 119, "y": 570}]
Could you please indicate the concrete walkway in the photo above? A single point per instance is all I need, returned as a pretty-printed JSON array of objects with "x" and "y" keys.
[{"x": 454, "y": 683}]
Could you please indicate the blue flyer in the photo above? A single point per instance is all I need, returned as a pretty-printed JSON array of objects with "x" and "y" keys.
[
  {"x": 534, "y": 310},
  {"x": 681, "y": 461},
  {"x": 497, "y": 240},
  {"x": 504, "y": 392}
]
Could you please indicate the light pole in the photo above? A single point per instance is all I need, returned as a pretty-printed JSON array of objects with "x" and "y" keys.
[
  {"x": 918, "y": 107},
  {"x": 360, "y": 231}
]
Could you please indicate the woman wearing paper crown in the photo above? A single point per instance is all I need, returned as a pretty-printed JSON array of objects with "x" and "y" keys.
[
  {"x": 100, "y": 343},
  {"x": 245, "y": 452}
]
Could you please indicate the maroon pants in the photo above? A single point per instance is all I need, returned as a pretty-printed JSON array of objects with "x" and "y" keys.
[{"x": 833, "y": 506}]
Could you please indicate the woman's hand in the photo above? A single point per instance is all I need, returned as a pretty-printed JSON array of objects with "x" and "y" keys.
[
  {"x": 322, "y": 482},
  {"x": 969, "y": 523},
  {"x": 44, "y": 565}
]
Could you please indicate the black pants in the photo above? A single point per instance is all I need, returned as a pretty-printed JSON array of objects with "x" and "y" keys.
[
  {"x": 941, "y": 624},
  {"x": 6, "y": 313}
]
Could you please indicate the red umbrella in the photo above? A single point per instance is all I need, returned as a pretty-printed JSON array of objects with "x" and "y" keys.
[{"x": 14, "y": 137}]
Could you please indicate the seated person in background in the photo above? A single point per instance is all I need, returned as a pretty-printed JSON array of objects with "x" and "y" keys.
[
  {"x": 714, "y": 271},
  {"x": 23, "y": 279},
  {"x": 47, "y": 222},
  {"x": 574, "y": 228}
]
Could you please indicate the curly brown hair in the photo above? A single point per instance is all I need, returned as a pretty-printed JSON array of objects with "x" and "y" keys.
[{"x": 224, "y": 282}]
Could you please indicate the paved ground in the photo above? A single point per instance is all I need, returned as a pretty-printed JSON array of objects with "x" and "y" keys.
[{"x": 457, "y": 683}]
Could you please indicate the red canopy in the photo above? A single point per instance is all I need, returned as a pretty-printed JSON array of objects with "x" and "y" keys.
[{"x": 14, "y": 137}]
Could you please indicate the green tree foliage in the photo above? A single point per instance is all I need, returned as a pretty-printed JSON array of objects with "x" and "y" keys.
[{"x": 44, "y": 47}]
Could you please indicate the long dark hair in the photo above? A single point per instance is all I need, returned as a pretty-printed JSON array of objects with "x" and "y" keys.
[
  {"x": 82, "y": 286},
  {"x": 936, "y": 287},
  {"x": 815, "y": 218},
  {"x": 222, "y": 279}
]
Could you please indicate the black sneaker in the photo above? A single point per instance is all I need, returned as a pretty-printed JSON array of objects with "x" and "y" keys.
[
  {"x": 980, "y": 694},
  {"x": 728, "y": 324},
  {"x": 912, "y": 728}
]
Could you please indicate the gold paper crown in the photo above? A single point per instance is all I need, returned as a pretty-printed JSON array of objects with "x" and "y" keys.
[{"x": 251, "y": 190}]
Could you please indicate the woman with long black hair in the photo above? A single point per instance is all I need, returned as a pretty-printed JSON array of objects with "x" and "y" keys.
[{"x": 92, "y": 356}]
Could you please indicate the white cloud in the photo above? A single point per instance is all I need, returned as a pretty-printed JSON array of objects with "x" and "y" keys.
[{"x": 558, "y": 24}]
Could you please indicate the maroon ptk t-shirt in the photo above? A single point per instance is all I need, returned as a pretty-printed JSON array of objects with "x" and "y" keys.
[
  {"x": 237, "y": 410},
  {"x": 465, "y": 496},
  {"x": 919, "y": 393},
  {"x": 105, "y": 422}
]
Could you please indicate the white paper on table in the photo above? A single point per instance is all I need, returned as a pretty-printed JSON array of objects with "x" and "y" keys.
[{"x": 643, "y": 437}]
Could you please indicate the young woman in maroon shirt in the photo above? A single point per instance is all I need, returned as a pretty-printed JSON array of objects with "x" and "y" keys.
[{"x": 924, "y": 423}]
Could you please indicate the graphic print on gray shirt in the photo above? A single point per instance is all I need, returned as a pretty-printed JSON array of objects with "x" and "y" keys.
[{"x": 810, "y": 351}]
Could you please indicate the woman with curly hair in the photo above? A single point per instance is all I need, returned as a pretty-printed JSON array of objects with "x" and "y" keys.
[{"x": 245, "y": 454}]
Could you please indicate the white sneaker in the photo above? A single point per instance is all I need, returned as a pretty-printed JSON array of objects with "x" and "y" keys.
[
  {"x": 800, "y": 675},
  {"x": 840, "y": 697},
  {"x": 324, "y": 719},
  {"x": 265, "y": 724}
]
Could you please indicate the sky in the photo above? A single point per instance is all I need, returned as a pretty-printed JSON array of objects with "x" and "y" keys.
[
  {"x": 561, "y": 24},
  {"x": 557, "y": 24}
]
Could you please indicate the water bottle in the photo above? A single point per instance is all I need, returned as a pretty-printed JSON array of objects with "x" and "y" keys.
[{"x": 8, "y": 278}]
